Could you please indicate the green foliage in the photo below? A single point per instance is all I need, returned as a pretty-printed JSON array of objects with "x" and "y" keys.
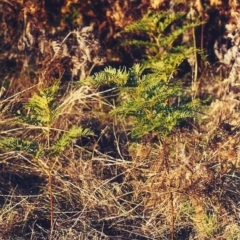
[
  {"x": 42, "y": 107},
  {"x": 110, "y": 75},
  {"x": 159, "y": 30},
  {"x": 152, "y": 103},
  {"x": 18, "y": 145},
  {"x": 153, "y": 23},
  {"x": 166, "y": 64},
  {"x": 72, "y": 16},
  {"x": 43, "y": 110},
  {"x": 68, "y": 137},
  {"x": 146, "y": 94}
]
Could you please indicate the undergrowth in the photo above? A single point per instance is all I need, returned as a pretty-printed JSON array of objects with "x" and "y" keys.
[{"x": 123, "y": 154}]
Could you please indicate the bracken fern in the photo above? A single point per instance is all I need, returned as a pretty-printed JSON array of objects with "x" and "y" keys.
[{"x": 147, "y": 93}]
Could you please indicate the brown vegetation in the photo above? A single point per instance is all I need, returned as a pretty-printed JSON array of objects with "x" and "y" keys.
[{"x": 104, "y": 184}]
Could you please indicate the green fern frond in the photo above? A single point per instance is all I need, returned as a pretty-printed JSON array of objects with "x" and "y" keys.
[
  {"x": 146, "y": 95},
  {"x": 69, "y": 136},
  {"x": 18, "y": 145},
  {"x": 141, "y": 43},
  {"x": 138, "y": 69},
  {"x": 168, "y": 40},
  {"x": 154, "y": 27},
  {"x": 163, "y": 120},
  {"x": 42, "y": 107},
  {"x": 149, "y": 103},
  {"x": 110, "y": 75},
  {"x": 153, "y": 22}
]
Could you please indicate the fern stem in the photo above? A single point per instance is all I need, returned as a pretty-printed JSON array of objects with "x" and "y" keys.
[
  {"x": 170, "y": 195},
  {"x": 201, "y": 49},
  {"x": 51, "y": 204},
  {"x": 172, "y": 213},
  {"x": 194, "y": 86}
]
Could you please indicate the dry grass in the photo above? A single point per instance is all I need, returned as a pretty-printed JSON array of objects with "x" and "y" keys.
[
  {"x": 107, "y": 186},
  {"x": 184, "y": 188}
]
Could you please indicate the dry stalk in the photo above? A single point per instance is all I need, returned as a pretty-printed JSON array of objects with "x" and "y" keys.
[{"x": 166, "y": 163}]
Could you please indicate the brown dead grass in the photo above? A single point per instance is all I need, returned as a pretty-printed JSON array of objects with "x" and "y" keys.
[
  {"x": 109, "y": 187},
  {"x": 187, "y": 185}
]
